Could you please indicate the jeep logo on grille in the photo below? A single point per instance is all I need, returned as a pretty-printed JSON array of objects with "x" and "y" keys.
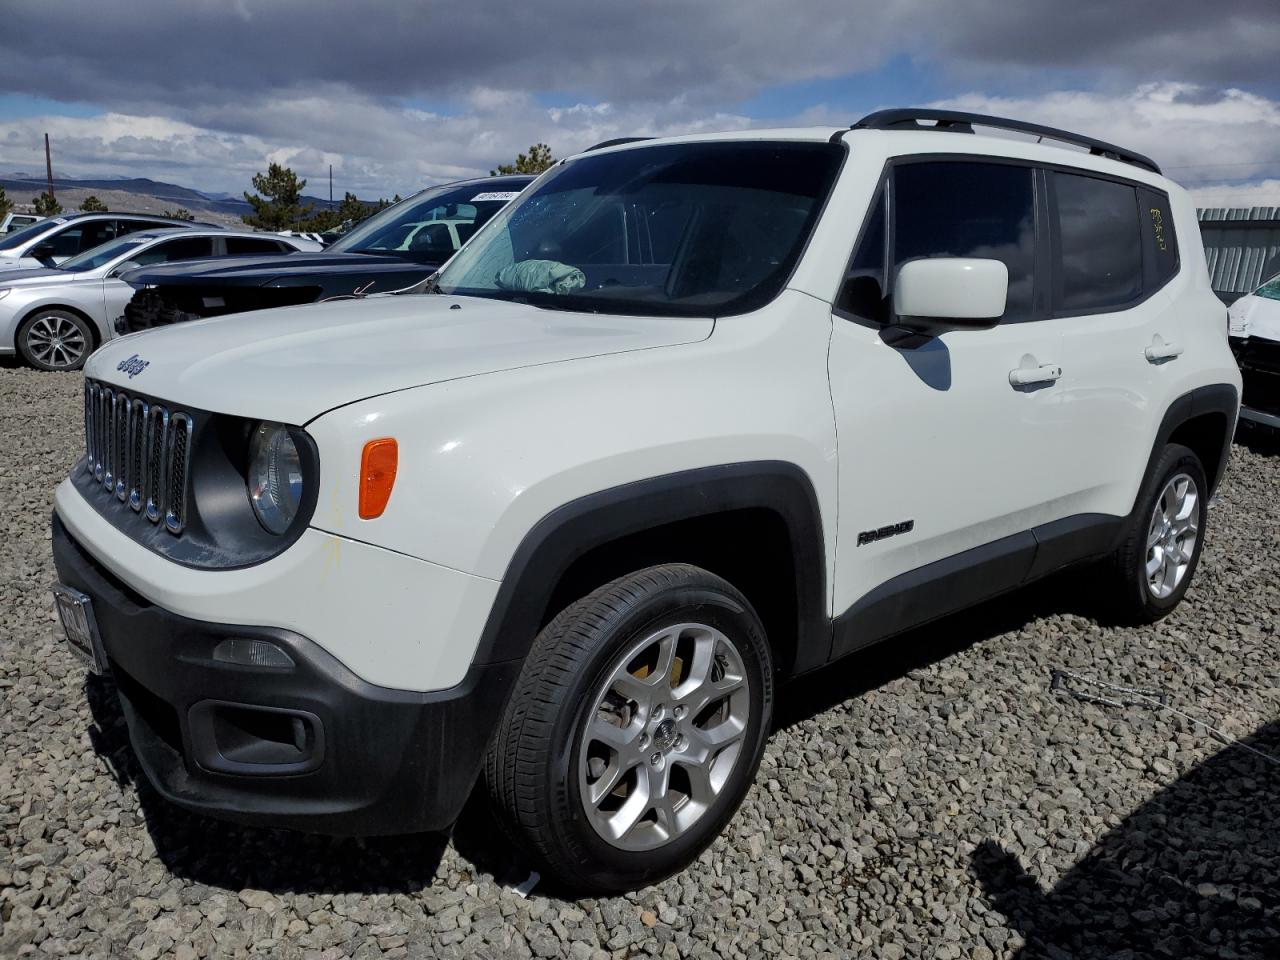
[{"x": 133, "y": 366}]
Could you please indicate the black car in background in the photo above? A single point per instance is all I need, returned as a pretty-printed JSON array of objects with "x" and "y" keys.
[{"x": 396, "y": 248}]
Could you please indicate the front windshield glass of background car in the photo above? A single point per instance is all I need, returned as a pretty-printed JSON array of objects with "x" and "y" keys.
[
  {"x": 697, "y": 229},
  {"x": 23, "y": 234},
  {"x": 428, "y": 228},
  {"x": 103, "y": 253}
]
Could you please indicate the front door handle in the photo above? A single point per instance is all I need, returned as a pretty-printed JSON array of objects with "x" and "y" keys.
[
  {"x": 1026, "y": 376},
  {"x": 1160, "y": 351}
]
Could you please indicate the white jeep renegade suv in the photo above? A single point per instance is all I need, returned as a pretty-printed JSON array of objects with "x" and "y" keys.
[{"x": 689, "y": 417}]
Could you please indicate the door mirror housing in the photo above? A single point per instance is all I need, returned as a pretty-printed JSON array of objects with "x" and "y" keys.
[
  {"x": 938, "y": 294},
  {"x": 42, "y": 251}
]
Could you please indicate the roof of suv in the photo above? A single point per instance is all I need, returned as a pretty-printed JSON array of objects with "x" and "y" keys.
[
  {"x": 116, "y": 214},
  {"x": 1015, "y": 138}
]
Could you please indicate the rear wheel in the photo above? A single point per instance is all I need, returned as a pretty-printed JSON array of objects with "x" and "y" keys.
[
  {"x": 1153, "y": 566},
  {"x": 635, "y": 729},
  {"x": 55, "y": 340}
]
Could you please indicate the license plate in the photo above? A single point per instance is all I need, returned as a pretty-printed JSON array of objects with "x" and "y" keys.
[{"x": 75, "y": 610}]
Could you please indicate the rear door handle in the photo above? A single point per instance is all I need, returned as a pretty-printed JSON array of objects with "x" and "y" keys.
[
  {"x": 1160, "y": 352},
  {"x": 1025, "y": 376}
]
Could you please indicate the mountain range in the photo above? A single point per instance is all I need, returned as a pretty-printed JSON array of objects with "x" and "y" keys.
[{"x": 134, "y": 195}]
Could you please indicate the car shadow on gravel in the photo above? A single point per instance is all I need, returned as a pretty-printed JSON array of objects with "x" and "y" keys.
[
  {"x": 1195, "y": 872},
  {"x": 235, "y": 857},
  {"x": 1263, "y": 441}
]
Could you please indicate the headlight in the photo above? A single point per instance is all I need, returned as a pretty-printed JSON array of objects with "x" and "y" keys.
[{"x": 275, "y": 476}]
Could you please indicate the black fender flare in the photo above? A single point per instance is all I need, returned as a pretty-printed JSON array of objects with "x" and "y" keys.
[
  {"x": 1219, "y": 398},
  {"x": 570, "y": 531}
]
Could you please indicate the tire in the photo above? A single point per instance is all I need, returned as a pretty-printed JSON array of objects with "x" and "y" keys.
[
  {"x": 55, "y": 340},
  {"x": 1140, "y": 597},
  {"x": 545, "y": 760}
]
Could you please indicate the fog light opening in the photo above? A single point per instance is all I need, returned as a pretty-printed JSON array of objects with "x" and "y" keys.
[{"x": 251, "y": 653}]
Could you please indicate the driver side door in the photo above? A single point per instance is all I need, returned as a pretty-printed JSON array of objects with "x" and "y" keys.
[{"x": 945, "y": 466}]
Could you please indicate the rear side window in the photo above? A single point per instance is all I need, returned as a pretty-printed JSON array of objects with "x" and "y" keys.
[
  {"x": 186, "y": 248},
  {"x": 82, "y": 236},
  {"x": 252, "y": 245},
  {"x": 965, "y": 209},
  {"x": 1162, "y": 241},
  {"x": 129, "y": 226},
  {"x": 1099, "y": 248}
]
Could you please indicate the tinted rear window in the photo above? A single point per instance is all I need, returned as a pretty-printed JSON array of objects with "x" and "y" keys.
[{"x": 1099, "y": 243}]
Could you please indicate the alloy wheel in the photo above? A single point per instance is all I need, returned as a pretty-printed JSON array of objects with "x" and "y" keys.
[
  {"x": 1172, "y": 535},
  {"x": 663, "y": 734},
  {"x": 56, "y": 341}
]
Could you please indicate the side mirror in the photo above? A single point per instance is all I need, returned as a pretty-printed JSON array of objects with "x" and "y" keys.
[
  {"x": 42, "y": 251},
  {"x": 938, "y": 294}
]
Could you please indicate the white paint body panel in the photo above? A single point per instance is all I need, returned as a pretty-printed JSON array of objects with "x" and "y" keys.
[
  {"x": 504, "y": 412},
  {"x": 294, "y": 363},
  {"x": 394, "y": 620}
]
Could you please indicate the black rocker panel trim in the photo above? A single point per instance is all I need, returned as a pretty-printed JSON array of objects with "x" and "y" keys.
[
  {"x": 945, "y": 586},
  {"x": 934, "y": 590},
  {"x": 576, "y": 528},
  {"x": 953, "y": 583}
]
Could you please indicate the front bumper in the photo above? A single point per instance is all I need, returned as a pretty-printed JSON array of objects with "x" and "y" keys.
[{"x": 365, "y": 759}]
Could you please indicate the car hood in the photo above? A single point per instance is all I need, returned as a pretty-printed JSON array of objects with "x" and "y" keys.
[
  {"x": 291, "y": 269},
  {"x": 1254, "y": 316},
  {"x": 293, "y": 363},
  {"x": 35, "y": 277}
]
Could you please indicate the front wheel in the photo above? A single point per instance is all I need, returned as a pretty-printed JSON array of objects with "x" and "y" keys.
[
  {"x": 635, "y": 729},
  {"x": 55, "y": 340},
  {"x": 1154, "y": 564}
]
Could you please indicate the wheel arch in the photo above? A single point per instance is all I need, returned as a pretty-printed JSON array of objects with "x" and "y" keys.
[
  {"x": 94, "y": 332},
  {"x": 756, "y": 524},
  {"x": 1203, "y": 420}
]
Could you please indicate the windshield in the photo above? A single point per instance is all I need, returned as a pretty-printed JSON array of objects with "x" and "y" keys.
[
  {"x": 427, "y": 228},
  {"x": 699, "y": 229},
  {"x": 22, "y": 235},
  {"x": 1270, "y": 290},
  {"x": 103, "y": 253}
]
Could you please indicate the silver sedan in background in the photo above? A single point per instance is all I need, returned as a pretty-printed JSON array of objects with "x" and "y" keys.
[{"x": 54, "y": 318}]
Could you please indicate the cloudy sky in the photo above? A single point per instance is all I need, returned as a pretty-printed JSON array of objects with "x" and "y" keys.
[{"x": 398, "y": 94}]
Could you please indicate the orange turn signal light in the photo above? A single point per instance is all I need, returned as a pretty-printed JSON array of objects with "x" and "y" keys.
[{"x": 377, "y": 476}]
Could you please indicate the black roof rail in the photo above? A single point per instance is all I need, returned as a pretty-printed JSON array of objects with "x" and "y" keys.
[
  {"x": 615, "y": 142},
  {"x": 955, "y": 121}
]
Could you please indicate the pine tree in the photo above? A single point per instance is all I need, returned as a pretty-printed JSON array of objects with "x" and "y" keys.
[
  {"x": 280, "y": 205},
  {"x": 93, "y": 205},
  {"x": 46, "y": 205},
  {"x": 535, "y": 161}
]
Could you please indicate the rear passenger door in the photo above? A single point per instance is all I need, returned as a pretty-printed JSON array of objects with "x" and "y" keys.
[{"x": 1113, "y": 250}]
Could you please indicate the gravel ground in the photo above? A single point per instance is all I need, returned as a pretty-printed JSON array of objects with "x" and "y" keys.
[{"x": 934, "y": 798}]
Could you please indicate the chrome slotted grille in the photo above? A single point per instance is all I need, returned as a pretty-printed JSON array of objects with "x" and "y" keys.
[{"x": 139, "y": 453}]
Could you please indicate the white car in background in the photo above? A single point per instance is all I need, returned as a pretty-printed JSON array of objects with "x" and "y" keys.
[
  {"x": 1253, "y": 326},
  {"x": 55, "y": 317},
  {"x": 48, "y": 242},
  {"x": 16, "y": 221}
]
